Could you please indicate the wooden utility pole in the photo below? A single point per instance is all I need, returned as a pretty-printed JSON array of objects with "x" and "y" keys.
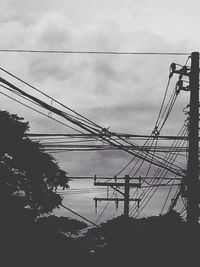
[
  {"x": 193, "y": 161},
  {"x": 115, "y": 185},
  {"x": 126, "y": 195}
]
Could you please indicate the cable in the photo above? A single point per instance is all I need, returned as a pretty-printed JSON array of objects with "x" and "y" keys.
[
  {"x": 152, "y": 135},
  {"x": 158, "y": 184},
  {"x": 163, "y": 101},
  {"x": 79, "y": 215},
  {"x": 100, "y": 215},
  {"x": 148, "y": 191},
  {"x": 40, "y": 112},
  {"x": 169, "y": 110},
  {"x": 170, "y": 189},
  {"x": 35, "y": 103},
  {"x": 164, "y": 137},
  {"x": 94, "y": 52},
  {"x": 104, "y": 136},
  {"x": 44, "y": 105},
  {"x": 53, "y": 99}
]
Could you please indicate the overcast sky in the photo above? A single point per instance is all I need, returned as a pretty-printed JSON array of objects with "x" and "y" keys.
[{"x": 122, "y": 92}]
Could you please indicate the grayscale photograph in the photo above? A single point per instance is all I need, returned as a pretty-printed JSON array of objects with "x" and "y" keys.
[{"x": 99, "y": 133}]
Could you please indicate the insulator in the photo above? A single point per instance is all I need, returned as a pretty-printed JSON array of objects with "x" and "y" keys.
[
  {"x": 138, "y": 203},
  {"x": 117, "y": 204},
  {"x": 172, "y": 69},
  {"x": 180, "y": 76},
  {"x": 95, "y": 206},
  {"x": 184, "y": 70},
  {"x": 180, "y": 83},
  {"x": 185, "y": 111},
  {"x": 155, "y": 131},
  {"x": 179, "y": 86}
]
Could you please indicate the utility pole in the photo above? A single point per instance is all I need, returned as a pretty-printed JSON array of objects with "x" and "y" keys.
[
  {"x": 126, "y": 195},
  {"x": 193, "y": 161},
  {"x": 115, "y": 185}
]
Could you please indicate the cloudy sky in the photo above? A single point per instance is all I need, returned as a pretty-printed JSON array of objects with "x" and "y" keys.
[{"x": 122, "y": 92}]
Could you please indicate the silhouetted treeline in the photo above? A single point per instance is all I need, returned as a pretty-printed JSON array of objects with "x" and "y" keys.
[
  {"x": 60, "y": 224},
  {"x": 27, "y": 178},
  {"x": 157, "y": 241},
  {"x": 25, "y": 242}
]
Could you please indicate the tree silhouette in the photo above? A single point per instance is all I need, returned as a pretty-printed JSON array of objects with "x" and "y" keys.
[
  {"x": 27, "y": 173},
  {"x": 155, "y": 241}
]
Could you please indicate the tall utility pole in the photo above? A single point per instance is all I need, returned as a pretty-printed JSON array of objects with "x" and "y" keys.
[
  {"x": 126, "y": 195},
  {"x": 193, "y": 161},
  {"x": 115, "y": 185}
]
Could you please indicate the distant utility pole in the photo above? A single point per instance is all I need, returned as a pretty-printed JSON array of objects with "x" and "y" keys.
[
  {"x": 193, "y": 135},
  {"x": 115, "y": 185}
]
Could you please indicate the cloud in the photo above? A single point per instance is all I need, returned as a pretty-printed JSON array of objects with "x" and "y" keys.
[{"x": 111, "y": 89}]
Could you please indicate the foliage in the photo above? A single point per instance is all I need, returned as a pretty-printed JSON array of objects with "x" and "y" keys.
[
  {"x": 155, "y": 241},
  {"x": 26, "y": 243},
  {"x": 28, "y": 174},
  {"x": 60, "y": 224}
]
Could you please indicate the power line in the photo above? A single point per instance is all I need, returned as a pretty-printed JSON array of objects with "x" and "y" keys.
[
  {"x": 167, "y": 197},
  {"x": 105, "y": 207},
  {"x": 79, "y": 215},
  {"x": 104, "y": 134},
  {"x": 152, "y": 134},
  {"x": 94, "y": 52},
  {"x": 159, "y": 172},
  {"x": 73, "y": 119},
  {"x": 147, "y": 198},
  {"x": 53, "y": 99},
  {"x": 63, "y": 114},
  {"x": 23, "y": 104},
  {"x": 115, "y": 134}
]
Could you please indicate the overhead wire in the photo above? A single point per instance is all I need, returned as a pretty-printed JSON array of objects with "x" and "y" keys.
[
  {"x": 79, "y": 215},
  {"x": 169, "y": 110},
  {"x": 160, "y": 171},
  {"x": 85, "y": 135},
  {"x": 152, "y": 189},
  {"x": 94, "y": 52},
  {"x": 41, "y": 113},
  {"x": 172, "y": 158},
  {"x": 104, "y": 209},
  {"x": 152, "y": 135},
  {"x": 42, "y": 105},
  {"x": 156, "y": 126},
  {"x": 46, "y": 95},
  {"x": 167, "y": 197},
  {"x": 158, "y": 130},
  {"x": 103, "y": 136}
]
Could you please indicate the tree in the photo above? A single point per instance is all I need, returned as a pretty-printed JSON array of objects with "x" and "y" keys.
[
  {"x": 27, "y": 173},
  {"x": 52, "y": 223}
]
